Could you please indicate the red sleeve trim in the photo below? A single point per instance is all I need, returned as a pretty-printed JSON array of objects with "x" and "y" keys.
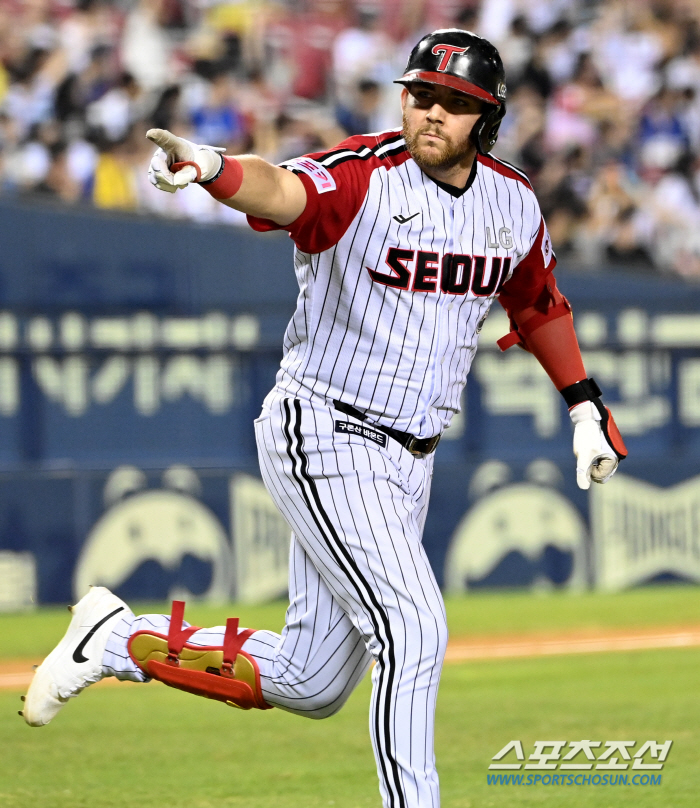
[
  {"x": 356, "y": 143},
  {"x": 263, "y": 225},
  {"x": 266, "y": 225},
  {"x": 328, "y": 215},
  {"x": 321, "y": 224},
  {"x": 504, "y": 169}
]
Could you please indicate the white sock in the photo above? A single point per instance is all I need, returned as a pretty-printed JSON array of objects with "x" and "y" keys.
[{"x": 116, "y": 660}]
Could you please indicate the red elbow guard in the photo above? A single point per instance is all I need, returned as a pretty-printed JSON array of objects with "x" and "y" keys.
[
  {"x": 550, "y": 337},
  {"x": 519, "y": 336}
]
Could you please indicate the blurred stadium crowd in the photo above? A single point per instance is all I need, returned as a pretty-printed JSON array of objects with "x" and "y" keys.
[{"x": 603, "y": 101}]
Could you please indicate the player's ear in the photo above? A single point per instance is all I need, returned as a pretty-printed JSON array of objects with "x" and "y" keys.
[{"x": 404, "y": 97}]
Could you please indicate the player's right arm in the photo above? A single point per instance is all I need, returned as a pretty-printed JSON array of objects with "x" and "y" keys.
[{"x": 247, "y": 183}]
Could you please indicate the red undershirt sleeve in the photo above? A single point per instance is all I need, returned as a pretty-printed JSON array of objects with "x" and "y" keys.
[{"x": 529, "y": 277}]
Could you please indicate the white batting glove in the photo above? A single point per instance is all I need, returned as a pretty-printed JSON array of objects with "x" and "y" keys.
[
  {"x": 178, "y": 162},
  {"x": 596, "y": 459}
]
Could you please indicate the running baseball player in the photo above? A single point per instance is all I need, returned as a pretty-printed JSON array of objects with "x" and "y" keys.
[{"x": 403, "y": 241}]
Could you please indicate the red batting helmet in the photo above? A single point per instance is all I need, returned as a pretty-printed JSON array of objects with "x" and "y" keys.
[{"x": 467, "y": 63}]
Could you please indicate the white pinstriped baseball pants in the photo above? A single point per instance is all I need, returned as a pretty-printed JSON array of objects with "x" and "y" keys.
[{"x": 361, "y": 589}]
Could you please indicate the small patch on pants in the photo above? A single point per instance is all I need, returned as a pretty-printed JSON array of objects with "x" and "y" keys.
[{"x": 361, "y": 430}]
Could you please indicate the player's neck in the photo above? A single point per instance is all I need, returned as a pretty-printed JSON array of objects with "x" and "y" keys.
[{"x": 458, "y": 176}]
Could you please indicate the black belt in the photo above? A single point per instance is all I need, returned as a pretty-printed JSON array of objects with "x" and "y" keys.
[{"x": 416, "y": 446}]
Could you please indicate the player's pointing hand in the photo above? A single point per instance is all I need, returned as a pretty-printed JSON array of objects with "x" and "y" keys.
[{"x": 178, "y": 162}]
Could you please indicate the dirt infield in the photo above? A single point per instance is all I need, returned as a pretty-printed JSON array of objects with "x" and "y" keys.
[
  {"x": 17, "y": 674},
  {"x": 534, "y": 645}
]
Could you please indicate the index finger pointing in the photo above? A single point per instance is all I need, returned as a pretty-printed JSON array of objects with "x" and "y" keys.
[{"x": 166, "y": 140}]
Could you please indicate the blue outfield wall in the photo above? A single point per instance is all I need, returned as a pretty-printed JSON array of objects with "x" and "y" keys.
[{"x": 135, "y": 353}]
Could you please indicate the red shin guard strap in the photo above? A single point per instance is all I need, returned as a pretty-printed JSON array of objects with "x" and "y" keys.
[
  {"x": 228, "y": 181},
  {"x": 177, "y": 635},
  {"x": 233, "y": 642}
]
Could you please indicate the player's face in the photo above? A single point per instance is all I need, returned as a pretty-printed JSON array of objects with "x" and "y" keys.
[{"x": 437, "y": 123}]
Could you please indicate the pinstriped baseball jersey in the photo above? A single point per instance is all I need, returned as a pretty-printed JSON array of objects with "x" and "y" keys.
[{"x": 397, "y": 273}]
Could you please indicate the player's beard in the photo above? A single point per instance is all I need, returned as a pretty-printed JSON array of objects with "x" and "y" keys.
[{"x": 448, "y": 156}]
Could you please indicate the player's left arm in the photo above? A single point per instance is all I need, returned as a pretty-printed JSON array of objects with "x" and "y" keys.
[{"x": 542, "y": 323}]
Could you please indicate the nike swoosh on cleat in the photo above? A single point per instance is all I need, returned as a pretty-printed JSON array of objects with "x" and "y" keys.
[
  {"x": 78, "y": 653},
  {"x": 403, "y": 219}
]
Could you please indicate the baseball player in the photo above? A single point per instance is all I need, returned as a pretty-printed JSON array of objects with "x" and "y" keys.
[{"x": 403, "y": 241}]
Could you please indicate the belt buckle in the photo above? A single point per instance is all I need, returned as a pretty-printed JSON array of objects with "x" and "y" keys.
[
  {"x": 432, "y": 444},
  {"x": 409, "y": 446}
]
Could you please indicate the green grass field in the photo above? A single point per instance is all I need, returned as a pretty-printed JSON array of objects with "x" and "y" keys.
[{"x": 149, "y": 745}]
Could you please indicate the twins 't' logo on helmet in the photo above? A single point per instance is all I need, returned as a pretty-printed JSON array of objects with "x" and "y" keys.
[{"x": 447, "y": 52}]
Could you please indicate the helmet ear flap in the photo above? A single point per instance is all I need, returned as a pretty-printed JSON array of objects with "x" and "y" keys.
[{"x": 485, "y": 132}]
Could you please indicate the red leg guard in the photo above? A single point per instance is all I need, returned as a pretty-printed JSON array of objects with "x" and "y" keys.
[{"x": 225, "y": 673}]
